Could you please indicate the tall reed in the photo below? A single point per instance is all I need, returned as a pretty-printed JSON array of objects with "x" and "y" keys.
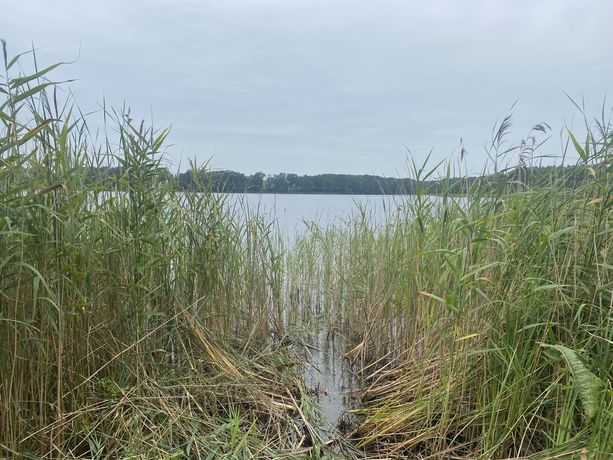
[
  {"x": 139, "y": 322},
  {"x": 483, "y": 322},
  {"x": 127, "y": 309}
]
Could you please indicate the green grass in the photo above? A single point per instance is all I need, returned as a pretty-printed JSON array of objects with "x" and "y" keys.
[{"x": 138, "y": 322}]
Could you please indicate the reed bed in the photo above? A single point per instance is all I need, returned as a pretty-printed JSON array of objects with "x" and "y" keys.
[
  {"x": 140, "y": 322},
  {"x": 483, "y": 323},
  {"x": 135, "y": 321}
]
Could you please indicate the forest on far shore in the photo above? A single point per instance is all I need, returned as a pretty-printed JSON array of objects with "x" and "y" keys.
[{"x": 226, "y": 181}]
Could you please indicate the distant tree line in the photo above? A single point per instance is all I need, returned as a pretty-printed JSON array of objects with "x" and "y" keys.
[
  {"x": 348, "y": 184},
  {"x": 234, "y": 182},
  {"x": 365, "y": 184}
]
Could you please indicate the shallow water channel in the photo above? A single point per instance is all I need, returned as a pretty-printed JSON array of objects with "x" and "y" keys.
[{"x": 328, "y": 374}]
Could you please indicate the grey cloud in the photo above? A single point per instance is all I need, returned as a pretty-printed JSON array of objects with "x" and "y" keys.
[{"x": 338, "y": 85}]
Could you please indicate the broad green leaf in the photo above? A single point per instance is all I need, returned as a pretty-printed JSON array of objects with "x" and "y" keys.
[
  {"x": 33, "y": 132},
  {"x": 548, "y": 287},
  {"x": 15, "y": 82},
  {"x": 16, "y": 58},
  {"x": 5, "y": 117},
  {"x": 578, "y": 148},
  {"x": 433, "y": 296},
  {"x": 30, "y": 92},
  {"x": 555, "y": 235},
  {"x": 26, "y": 137},
  {"x": 588, "y": 385}
]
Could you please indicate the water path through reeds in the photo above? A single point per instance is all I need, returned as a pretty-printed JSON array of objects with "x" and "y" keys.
[{"x": 328, "y": 375}]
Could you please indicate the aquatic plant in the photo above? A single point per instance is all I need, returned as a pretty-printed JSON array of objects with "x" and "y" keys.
[
  {"x": 482, "y": 322},
  {"x": 135, "y": 321}
]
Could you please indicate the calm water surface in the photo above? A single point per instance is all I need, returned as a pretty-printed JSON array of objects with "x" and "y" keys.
[
  {"x": 326, "y": 373},
  {"x": 292, "y": 212}
]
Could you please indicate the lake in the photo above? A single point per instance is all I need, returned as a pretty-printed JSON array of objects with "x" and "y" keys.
[
  {"x": 327, "y": 373},
  {"x": 293, "y": 211}
]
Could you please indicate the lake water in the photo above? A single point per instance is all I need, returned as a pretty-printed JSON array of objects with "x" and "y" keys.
[
  {"x": 329, "y": 376},
  {"x": 326, "y": 372},
  {"x": 292, "y": 212}
]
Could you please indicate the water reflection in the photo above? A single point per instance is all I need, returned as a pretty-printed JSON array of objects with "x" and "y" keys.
[{"x": 328, "y": 374}]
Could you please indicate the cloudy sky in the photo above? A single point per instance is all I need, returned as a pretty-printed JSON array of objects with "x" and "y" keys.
[{"x": 311, "y": 86}]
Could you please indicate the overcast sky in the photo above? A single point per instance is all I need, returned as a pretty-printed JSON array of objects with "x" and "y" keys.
[{"x": 327, "y": 86}]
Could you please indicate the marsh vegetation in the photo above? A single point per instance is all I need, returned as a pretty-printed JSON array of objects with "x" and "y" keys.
[{"x": 143, "y": 322}]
